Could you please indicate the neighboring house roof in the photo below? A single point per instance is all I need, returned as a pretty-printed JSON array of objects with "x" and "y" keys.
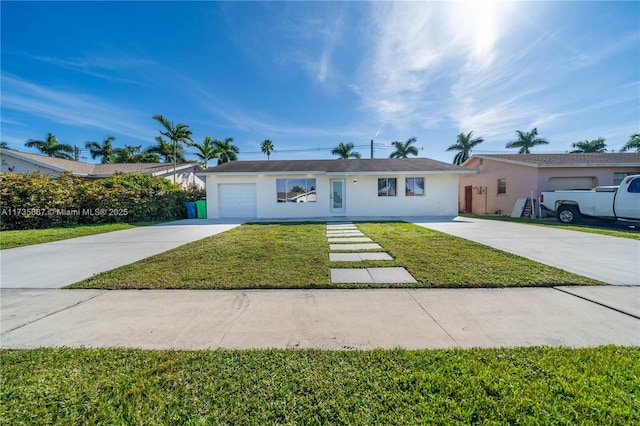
[
  {"x": 612, "y": 159},
  {"x": 339, "y": 166},
  {"x": 94, "y": 170}
]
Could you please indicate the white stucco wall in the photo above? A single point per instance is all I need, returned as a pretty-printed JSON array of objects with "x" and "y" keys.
[
  {"x": 18, "y": 165},
  {"x": 361, "y": 198}
]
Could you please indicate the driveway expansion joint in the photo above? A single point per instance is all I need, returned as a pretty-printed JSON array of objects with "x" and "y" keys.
[
  {"x": 73, "y": 305},
  {"x": 604, "y": 305},
  {"x": 409, "y": 292}
]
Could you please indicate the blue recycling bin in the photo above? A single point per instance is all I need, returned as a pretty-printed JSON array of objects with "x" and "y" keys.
[{"x": 191, "y": 210}]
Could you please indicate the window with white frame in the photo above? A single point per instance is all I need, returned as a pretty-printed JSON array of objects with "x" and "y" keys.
[
  {"x": 414, "y": 186},
  {"x": 296, "y": 190},
  {"x": 387, "y": 187}
]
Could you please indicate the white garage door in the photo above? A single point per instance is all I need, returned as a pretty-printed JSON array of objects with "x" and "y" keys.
[
  {"x": 237, "y": 200},
  {"x": 556, "y": 183}
]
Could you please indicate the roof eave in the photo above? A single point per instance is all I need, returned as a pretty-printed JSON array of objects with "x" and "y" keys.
[
  {"x": 506, "y": 160},
  {"x": 16, "y": 154},
  {"x": 590, "y": 165},
  {"x": 343, "y": 173}
]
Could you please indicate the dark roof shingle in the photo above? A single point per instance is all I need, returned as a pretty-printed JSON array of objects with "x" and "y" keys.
[
  {"x": 88, "y": 169},
  {"x": 569, "y": 159},
  {"x": 337, "y": 166}
]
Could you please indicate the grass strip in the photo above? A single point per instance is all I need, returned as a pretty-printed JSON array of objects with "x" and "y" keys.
[
  {"x": 539, "y": 385},
  {"x": 297, "y": 256},
  {"x": 27, "y": 237},
  {"x": 591, "y": 226}
]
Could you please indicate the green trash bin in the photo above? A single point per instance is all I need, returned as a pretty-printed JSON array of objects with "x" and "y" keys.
[{"x": 201, "y": 209}]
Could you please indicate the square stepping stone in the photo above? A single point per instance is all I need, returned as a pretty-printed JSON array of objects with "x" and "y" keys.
[
  {"x": 345, "y": 234},
  {"x": 390, "y": 275},
  {"x": 354, "y": 247},
  {"x": 350, "y": 276},
  {"x": 344, "y": 257},
  {"x": 342, "y": 228},
  {"x": 374, "y": 256},
  {"x": 357, "y": 257},
  {"x": 350, "y": 240}
]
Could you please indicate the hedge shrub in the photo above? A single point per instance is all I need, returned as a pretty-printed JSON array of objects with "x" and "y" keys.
[{"x": 32, "y": 201}]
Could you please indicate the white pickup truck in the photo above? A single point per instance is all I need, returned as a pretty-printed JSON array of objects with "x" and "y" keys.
[{"x": 603, "y": 202}]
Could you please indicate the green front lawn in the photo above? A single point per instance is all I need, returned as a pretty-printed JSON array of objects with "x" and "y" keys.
[
  {"x": 297, "y": 256},
  {"x": 27, "y": 237},
  {"x": 496, "y": 386},
  {"x": 590, "y": 225}
]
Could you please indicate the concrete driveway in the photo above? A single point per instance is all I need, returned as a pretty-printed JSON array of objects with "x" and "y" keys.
[
  {"x": 611, "y": 260},
  {"x": 60, "y": 263},
  {"x": 323, "y": 319}
]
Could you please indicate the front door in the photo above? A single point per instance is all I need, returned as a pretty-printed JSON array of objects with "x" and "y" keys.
[
  {"x": 468, "y": 199},
  {"x": 338, "y": 196}
]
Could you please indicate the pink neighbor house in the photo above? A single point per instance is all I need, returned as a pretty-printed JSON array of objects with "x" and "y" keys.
[{"x": 501, "y": 179}]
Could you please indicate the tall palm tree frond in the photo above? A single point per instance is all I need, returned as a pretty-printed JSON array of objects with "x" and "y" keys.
[
  {"x": 464, "y": 145},
  {"x": 104, "y": 150},
  {"x": 267, "y": 147},
  {"x": 596, "y": 145},
  {"x": 402, "y": 150},
  {"x": 206, "y": 150},
  {"x": 526, "y": 140},
  {"x": 226, "y": 150},
  {"x": 165, "y": 150},
  {"x": 178, "y": 134},
  {"x": 51, "y": 147},
  {"x": 634, "y": 142},
  {"x": 344, "y": 151}
]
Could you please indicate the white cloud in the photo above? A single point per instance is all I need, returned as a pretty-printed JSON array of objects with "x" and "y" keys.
[
  {"x": 72, "y": 108},
  {"x": 416, "y": 49}
]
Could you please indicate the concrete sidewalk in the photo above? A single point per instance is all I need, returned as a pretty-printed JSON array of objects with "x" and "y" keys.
[
  {"x": 612, "y": 260},
  {"x": 60, "y": 263},
  {"x": 324, "y": 319}
]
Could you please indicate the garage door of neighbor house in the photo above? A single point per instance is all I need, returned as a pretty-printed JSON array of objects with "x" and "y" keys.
[
  {"x": 556, "y": 183},
  {"x": 237, "y": 200}
]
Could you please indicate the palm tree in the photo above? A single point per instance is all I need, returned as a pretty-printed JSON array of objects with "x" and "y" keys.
[
  {"x": 5, "y": 145},
  {"x": 133, "y": 154},
  {"x": 345, "y": 151},
  {"x": 104, "y": 150},
  {"x": 206, "y": 151},
  {"x": 226, "y": 150},
  {"x": 404, "y": 149},
  {"x": 464, "y": 146},
  {"x": 526, "y": 140},
  {"x": 634, "y": 142},
  {"x": 166, "y": 150},
  {"x": 267, "y": 147},
  {"x": 596, "y": 145},
  {"x": 178, "y": 134},
  {"x": 51, "y": 147}
]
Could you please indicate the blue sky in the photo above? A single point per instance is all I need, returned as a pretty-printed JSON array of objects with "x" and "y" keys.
[{"x": 308, "y": 75}]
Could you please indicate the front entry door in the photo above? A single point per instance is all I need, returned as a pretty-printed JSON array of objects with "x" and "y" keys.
[
  {"x": 468, "y": 199},
  {"x": 338, "y": 200}
]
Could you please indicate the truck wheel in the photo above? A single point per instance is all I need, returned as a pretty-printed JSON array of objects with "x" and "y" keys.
[{"x": 568, "y": 214}]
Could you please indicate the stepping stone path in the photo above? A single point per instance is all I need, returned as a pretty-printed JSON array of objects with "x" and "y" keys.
[{"x": 347, "y": 237}]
